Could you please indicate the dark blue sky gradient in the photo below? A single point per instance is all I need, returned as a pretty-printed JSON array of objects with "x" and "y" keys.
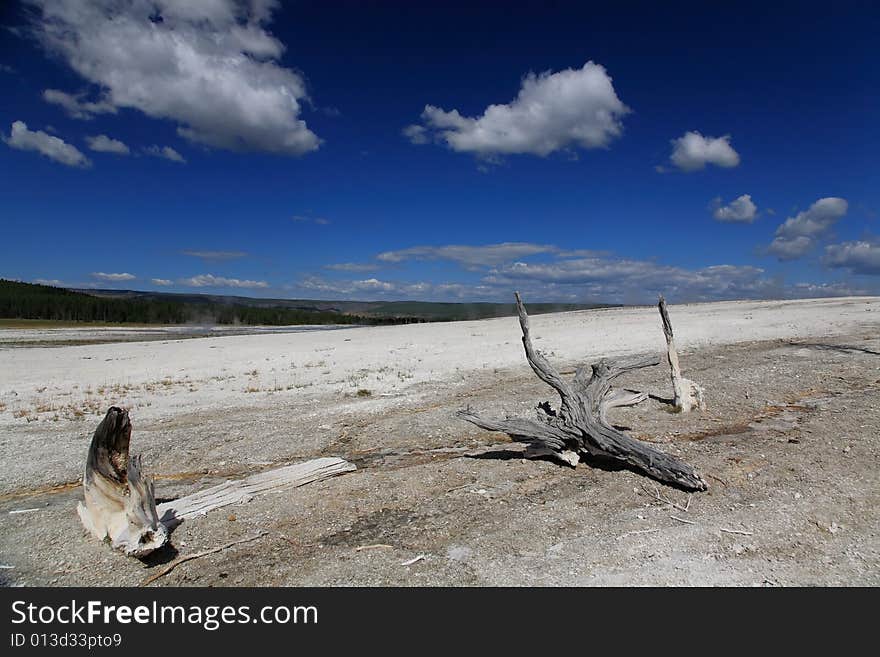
[{"x": 795, "y": 85}]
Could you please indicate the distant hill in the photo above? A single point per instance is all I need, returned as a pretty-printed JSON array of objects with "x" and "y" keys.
[{"x": 30, "y": 301}]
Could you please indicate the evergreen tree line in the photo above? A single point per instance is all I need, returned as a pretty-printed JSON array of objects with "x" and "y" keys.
[{"x": 29, "y": 301}]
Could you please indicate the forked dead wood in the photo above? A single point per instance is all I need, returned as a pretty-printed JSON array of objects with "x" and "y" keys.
[
  {"x": 580, "y": 427},
  {"x": 687, "y": 395},
  {"x": 120, "y": 505}
]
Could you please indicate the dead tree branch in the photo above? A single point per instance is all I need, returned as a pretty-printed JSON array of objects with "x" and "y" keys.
[{"x": 197, "y": 555}]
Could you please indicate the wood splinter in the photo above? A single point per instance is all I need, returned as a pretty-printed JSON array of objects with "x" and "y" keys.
[
  {"x": 687, "y": 395},
  {"x": 580, "y": 428}
]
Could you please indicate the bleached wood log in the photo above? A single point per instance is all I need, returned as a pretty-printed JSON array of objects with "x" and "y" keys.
[
  {"x": 120, "y": 506},
  {"x": 687, "y": 395},
  {"x": 580, "y": 425},
  {"x": 176, "y": 511}
]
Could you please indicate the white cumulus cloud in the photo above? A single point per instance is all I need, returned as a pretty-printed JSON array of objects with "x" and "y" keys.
[
  {"x": 211, "y": 67},
  {"x": 164, "y": 282},
  {"x": 553, "y": 111},
  {"x": 741, "y": 210},
  {"x": 52, "y": 147},
  {"x": 693, "y": 151},
  {"x": 798, "y": 235},
  {"x": 105, "y": 144},
  {"x": 860, "y": 257}
]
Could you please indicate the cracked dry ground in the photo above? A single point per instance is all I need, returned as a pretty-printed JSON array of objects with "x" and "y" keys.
[{"x": 789, "y": 445}]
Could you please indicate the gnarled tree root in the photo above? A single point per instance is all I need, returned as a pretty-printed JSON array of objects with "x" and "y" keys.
[{"x": 580, "y": 426}]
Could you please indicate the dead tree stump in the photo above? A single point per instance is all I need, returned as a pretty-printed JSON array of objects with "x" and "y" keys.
[
  {"x": 580, "y": 427},
  {"x": 687, "y": 395},
  {"x": 120, "y": 506}
]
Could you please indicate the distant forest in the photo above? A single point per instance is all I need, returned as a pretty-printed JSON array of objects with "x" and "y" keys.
[{"x": 29, "y": 301}]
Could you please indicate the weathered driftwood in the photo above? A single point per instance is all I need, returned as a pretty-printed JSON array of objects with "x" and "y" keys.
[
  {"x": 580, "y": 428},
  {"x": 687, "y": 395},
  {"x": 176, "y": 511},
  {"x": 120, "y": 505}
]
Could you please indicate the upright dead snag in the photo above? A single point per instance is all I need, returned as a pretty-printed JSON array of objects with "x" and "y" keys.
[
  {"x": 687, "y": 395},
  {"x": 580, "y": 427},
  {"x": 119, "y": 502}
]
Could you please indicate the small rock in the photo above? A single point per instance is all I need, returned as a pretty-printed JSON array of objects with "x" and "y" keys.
[
  {"x": 231, "y": 517},
  {"x": 458, "y": 553}
]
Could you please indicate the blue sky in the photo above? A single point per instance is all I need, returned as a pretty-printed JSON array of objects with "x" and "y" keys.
[{"x": 450, "y": 152}]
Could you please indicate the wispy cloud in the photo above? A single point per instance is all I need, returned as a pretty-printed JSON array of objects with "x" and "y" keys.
[
  {"x": 76, "y": 107},
  {"x": 113, "y": 278},
  {"x": 54, "y": 148},
  {"x": 305, "y": 219},
  {"x": 469, "y": 256},
  {"x": 104, "y": 144},
  {"x": 353, "y": 266},
  {"x": 54, "y": 282},
  {"x": 389, "y": 289},
  {"x": 209, "y": 280},
  {"x": 574, "y": 275},
  {"x": 164, "y": 282},
  {"x": 553, "y": 111},
  {"x": 417, "y": 134},
  {"x": 215, "y": 255},
  {"x": 165, "y": 152},
  {"x": 692, "y": 152}
]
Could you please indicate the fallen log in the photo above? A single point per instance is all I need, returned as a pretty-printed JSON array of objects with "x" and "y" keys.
[
  {"x": 580, "y": 428},
  {"x": 176, "y": 511},
  {"x": 120, "y": 504},
  {"x": 687, "y": 395}
]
